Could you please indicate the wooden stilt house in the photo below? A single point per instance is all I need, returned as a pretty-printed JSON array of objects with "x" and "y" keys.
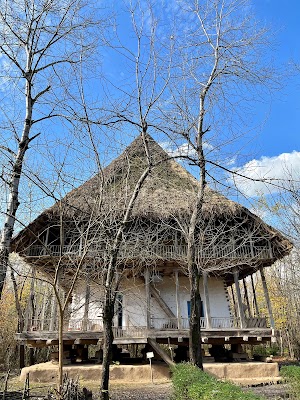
[{"x": 153, "y": 298}]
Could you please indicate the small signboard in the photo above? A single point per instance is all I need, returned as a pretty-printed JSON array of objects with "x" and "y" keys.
[{"x": 150, "y": 355}]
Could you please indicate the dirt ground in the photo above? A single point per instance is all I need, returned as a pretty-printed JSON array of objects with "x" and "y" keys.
[
  {"x": 164, "y": 391},
  {"x": 149, "y": 391},
  {"x": 275, "y": 392}
]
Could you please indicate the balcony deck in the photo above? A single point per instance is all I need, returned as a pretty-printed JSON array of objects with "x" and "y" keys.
[{"x": 89, "y": 331}]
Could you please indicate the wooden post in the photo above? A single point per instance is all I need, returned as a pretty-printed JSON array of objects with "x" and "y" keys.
[
  {"x": 206, "y": 303},
  {"x": 267, "y": 297},
  {"x": 247, "y": 297},
  {"x": 43, "y": 311},
  {"x": 53, "y": 323},
  {"x": 86, "y": 306},
  {"x": 234, "y": 302},
  {"x": 254, "y": 297},
  {"x": 178, "y": 309},
  {"x": 54, "y": 319},
  {"x": 148, "y": 299},
  {"x": 239, "y": 297}
]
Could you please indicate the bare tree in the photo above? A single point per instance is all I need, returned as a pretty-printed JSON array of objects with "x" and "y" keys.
[
  {"x": 220, "y": 69},
  {"x": 40, "y": 41},
  {"x": 149, "y": 75}
]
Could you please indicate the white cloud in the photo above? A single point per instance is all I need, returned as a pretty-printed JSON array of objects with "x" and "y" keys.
[
  {"x": 270, "y": 170},
  {"x": 183, "y": 150}
]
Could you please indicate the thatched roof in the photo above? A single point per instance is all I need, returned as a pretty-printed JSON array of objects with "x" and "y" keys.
[{"x": 170, "y": 190}]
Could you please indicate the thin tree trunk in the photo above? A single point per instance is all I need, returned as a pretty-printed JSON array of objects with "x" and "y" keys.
[
  {"x": 60, "y": 353},
  {"x": 195, "y": 347},
  {"x": 20, "y": 319},
  {"x": 108, "y": 338},
  {"x": 14, "y": 182}
]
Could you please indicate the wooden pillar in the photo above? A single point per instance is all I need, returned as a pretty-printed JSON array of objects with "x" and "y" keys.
[
  {"x": 239, "y": 297},
  {"x": 86, "y": 306},
  {"x": 148, "y": 299},
  {"x": 234, "y": 302},
  {"x": 267, "y": 297},
  {"x": 54, "y": 307},
  {"x": 44, "y": 307},
  {"x": 178, "y": 308},
  {"x": 53, "y": 319},
  {"x": 247, "y": 297},
  {"x": 254, "y": 297},
  {"x": 206, "y": 303}
]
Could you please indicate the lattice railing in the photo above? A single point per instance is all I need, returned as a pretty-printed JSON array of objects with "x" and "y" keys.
[{"x": 176, "y": 252}]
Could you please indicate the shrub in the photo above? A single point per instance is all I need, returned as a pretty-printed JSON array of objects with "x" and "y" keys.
[
  {"x": 263, "y": 350},
  {"x": 291, "y": 374},
  {"x": 191, "y": 383}
]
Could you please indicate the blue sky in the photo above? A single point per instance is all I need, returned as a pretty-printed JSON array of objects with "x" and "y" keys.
[
  {"x": 275, "y": 136},
  {"x": 277, "y": 143},
  {"x": 282, "y": 128}
]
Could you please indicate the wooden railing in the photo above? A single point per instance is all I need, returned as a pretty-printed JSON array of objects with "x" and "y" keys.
[
  {"x": 160, "y": 324},
  {"x": 215, "y": 323},
  {"x": 179, "y": 252}
]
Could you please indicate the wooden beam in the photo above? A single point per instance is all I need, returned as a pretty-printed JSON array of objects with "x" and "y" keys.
[
  {"x": 239, "y": 297},
  {"x": 148, "y": 299},
  {"x": 159, "y": 350},
  {"x": 267, "y": 297},
  {"x": 206, "y": 303},
  {"x": 246, "y": 296},
  {"x": 178, "y": 309},
  {"x": 86, "y": 305},
  {"x": 163, "y": 305},
  {"x": 53, "y": 317},
  {"x": 254, "y": 296},
  {"x": 234, "y": 302}
]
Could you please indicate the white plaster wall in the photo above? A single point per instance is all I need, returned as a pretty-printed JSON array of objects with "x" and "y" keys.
[
  {"x": 134, "y": 300},
  {"x": 219, "y": 304},
  {"x": 78, "y": 300}
]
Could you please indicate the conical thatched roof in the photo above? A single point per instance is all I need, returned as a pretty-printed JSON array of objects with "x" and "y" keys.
[{"x": 169, "y": 191}]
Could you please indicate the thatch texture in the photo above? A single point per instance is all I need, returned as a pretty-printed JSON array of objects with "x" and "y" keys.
[{"x": 168, "y": 191}]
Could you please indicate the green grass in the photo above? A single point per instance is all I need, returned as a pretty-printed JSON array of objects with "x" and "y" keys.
[
  {"x": 191, "y": 383},
  {"x": 291, "y": 374}
]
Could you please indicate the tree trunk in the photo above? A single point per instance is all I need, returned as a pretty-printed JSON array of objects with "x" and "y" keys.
[
  {"x": 60, "y": 354},
  {"x": 21, "y": 321},
  {"x": 195, "y": 347},
  {"x": 108, "y": 338},
  {"x": 4, "y": 252},
  {"x": 14, "y": 182}
]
